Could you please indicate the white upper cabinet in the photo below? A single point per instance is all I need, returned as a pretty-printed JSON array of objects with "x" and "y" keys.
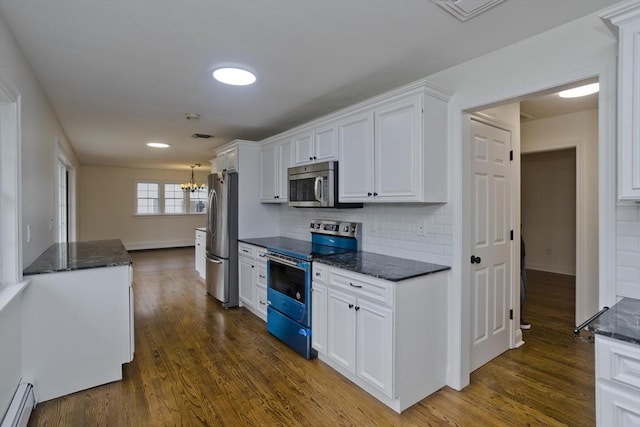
[
  {"x": 627, "y": 19},
  {"x": 355, "y": 151},
  {"x": 395, "y": 152},
  {"x": 316, "y": 145},
  {"x": 275, "y": 158},
  {"x": 227, "y": 159},
  {"x": 389, "y": 149}
]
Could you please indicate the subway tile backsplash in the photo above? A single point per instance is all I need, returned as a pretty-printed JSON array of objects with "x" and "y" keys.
[
  {"x": 628, "y": 251},
  {"x": 417, "y": 232}
]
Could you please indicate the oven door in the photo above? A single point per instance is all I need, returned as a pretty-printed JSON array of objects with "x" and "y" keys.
[{"x": 289, "y": 288}]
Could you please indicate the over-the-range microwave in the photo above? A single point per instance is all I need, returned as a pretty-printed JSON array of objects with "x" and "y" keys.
[{"x": 315, "y": 186}]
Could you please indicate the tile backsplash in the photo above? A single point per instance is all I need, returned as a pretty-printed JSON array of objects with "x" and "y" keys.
[
  {"x": 418, "y": 232},
  {"x": 628, "y": 251}
]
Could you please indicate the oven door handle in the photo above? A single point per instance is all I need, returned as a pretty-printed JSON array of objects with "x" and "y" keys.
[{"x": 284, "y": 261}]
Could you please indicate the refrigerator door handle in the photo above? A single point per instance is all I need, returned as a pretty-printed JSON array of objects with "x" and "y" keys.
[
  {"x": 214, "y": 260},
  {"x": 213, "y": 210}
]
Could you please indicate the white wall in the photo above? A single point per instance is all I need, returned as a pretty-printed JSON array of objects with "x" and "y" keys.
[
  {"x": 572, "y": 52},
  {"x": 39, "y": 130},
  {"x": 548, "y": 210},
  {"x": 389, "y": 229},
  {"x": 106, "y": 208}
]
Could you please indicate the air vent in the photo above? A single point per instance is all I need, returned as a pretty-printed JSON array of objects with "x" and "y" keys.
[
  {"x": 467, "y": 9},
  {"x": 201, "y": 136}
]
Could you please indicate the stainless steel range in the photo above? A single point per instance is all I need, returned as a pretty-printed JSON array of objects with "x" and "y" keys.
[{"x": 289, "y": 270}]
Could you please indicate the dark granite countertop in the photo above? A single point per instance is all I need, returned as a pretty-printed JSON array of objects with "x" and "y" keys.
[
  {"x": 382, "y": 266},
  {"x": 622, "y": 321},
  {"x": 79, "y": 256},
  {"x": 375, "y": 265}
]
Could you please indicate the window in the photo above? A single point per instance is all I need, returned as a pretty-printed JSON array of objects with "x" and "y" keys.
[{"x": 167, "y": 198}]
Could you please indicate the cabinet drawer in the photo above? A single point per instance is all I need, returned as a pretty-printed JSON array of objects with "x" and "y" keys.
[
  {"x": 246, "y": 250},
  {"x": 618, "y": 362},
  {"x": 261, "y": 301},
  {"x": 261, "y": 256},
  {"x": 319, "y": 273},
  {"x": 202, "y": 235},
  {"x": 375, "y": 290},
  {"x": 261, "y": 280}
]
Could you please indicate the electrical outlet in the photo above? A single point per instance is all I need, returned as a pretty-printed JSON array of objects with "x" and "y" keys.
[
  {"x": 50, "y": 224},
  {"x": 422, "y": 228}
]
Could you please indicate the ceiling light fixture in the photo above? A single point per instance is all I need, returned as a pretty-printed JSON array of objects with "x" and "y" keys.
[
  {"x": 191, "y": 185},
  {"x": 192, "y": 116},
  {"x": 158, "y": 145},
  {"x": 201, "y": 136},
  {"x": 234, "y": 76},
  {"x": 577, "y": 92}
]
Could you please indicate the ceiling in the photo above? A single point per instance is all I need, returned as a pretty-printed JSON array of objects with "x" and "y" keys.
[{"x": 119, "y": 74}]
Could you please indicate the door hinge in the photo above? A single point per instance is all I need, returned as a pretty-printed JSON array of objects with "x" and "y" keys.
[
  {"x": 511, "y": 234},
  {"x": 511, "y": 314},
  {"x": 511, "y": 155}
]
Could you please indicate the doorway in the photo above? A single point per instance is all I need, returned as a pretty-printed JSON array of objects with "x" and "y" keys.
[{"x": 576, "y": 133}]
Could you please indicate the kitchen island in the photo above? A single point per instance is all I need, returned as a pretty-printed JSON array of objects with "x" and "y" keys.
[
  {"x": 617, "y": 333},
  {"x": 77, "y": 317}
]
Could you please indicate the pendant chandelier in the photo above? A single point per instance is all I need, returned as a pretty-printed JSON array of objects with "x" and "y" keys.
[{"x": 191, "y": 186}]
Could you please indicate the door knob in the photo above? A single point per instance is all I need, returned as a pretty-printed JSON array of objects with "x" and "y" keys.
[{"x": 475, "y": 259}]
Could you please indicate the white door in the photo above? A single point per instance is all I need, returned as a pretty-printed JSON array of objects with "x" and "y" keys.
[
  {"x": 62, "y": 202},
  {"x": 491, "y": 244},
  {"x": 284, "y": 162},
  {"x": 268, "y": 173},
  {"x": 246, "y": 284},
  {"x": 326, "y": 143},
  {"x": 303, "y": 148}
]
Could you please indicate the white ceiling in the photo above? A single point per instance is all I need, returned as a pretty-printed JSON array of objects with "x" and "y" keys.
[{"x": 122, "y": 73}]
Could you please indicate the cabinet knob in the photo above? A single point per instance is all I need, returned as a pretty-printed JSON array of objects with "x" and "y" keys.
[
  {"x": 310, "y": 158},
  {"x": 375, "y": 194},
  {"x": 317, "y": 274},
  {"x": 315, "y": 158},
  {"x": 350, "y": 305},
  {"x": 369, "y": 194},
  {"x": 253, "y": 266},
  {"x": 357, "y": 308}
]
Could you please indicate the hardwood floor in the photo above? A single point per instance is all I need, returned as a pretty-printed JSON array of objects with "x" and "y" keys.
[{"x": 198, "y": 364}]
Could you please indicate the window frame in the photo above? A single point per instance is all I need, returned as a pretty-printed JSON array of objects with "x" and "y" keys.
[{"x": 161, "y": 200}]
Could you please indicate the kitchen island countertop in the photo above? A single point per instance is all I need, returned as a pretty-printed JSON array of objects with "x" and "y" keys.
[
  {"x": 380, "y": 266},
  {"x": 79, "y": 256},
  {"x": 622, "y": 321}
]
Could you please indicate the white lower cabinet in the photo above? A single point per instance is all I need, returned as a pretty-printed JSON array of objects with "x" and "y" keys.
[
  {"x": 252, "y": 279},
  {"x": 389, "y": 338},
  {"x": 617, "y": 383}
]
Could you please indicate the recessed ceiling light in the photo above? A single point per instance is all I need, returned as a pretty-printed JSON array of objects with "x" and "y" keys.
[
  {"x": 192, "y": 116},
  {"x": 577, "y": 92},
  {"x": 234, "y": 76},
  {"x": 158, "y": 145}
]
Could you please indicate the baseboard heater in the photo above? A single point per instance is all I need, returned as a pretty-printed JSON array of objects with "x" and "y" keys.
[{"x": 21, "y": 406}]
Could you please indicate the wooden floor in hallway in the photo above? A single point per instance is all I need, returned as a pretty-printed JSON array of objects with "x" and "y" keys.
[{"x": 198, "y": 364}]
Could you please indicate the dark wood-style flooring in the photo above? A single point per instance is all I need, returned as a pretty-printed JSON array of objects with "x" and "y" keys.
[{"x": 197, "y": 364}]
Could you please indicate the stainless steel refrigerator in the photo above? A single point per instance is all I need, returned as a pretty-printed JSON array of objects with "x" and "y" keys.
[{"x": 222, "y": 238}]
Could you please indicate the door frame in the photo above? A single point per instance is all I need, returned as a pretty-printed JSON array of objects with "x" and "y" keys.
[
  {"x": 67, "y": 159},
  {"x": 458, "y": 375}
]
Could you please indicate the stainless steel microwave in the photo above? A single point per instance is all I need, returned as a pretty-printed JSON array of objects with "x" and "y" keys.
[{"x": 315, "y": 186}]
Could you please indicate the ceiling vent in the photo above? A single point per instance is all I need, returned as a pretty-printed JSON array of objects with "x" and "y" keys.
[
  {"x": 201, "y": 136},
  {"x": 467, "y": 9}
]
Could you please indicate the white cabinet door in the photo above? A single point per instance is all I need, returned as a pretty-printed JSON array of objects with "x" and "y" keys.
[
  {"x": 247, "y": 281},
  {"x": 303, "y": 148},
  {"x": 616, "y": 406},
  {"x": 326, "y": 143},
  {"x": 341, "y": 329},
  {"x": 319, "y": 317},
  {"x": 355, "y": 151},
  {"x": 284, "y": 162},
  {"x": 374, "y": 352},
  {"x": 629, "y": 109},
  {"x": 269, "y": 173},
  {"x": 261, "y": 302},
  {"x": 398, "y": 151}
]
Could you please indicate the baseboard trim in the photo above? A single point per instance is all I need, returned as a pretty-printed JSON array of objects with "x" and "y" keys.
[{"x": 550, "y": 269}]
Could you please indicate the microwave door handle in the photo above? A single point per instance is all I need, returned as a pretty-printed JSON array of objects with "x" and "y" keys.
[{"x": 317, "y": 188}]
